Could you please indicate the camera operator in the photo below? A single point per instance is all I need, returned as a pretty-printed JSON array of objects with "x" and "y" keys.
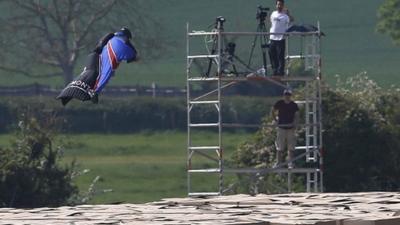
[{"x": 280, "y": 19}]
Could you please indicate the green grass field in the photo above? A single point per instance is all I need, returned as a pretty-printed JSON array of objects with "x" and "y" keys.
[
  {"x": 351, "y": 44},
  {"x": 137, "y": 167}
]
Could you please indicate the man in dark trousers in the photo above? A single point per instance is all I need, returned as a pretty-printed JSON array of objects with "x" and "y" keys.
[
  {"x": 280, "y": 19},
  {"x": 285, "y": 113}
]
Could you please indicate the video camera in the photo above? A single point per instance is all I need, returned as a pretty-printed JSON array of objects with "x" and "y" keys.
[
  {"x": 262, "y": 12},
  {"x": 219, "y": 22}
]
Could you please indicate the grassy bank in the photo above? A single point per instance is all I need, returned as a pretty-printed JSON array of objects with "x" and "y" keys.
[{"x": 137, "y": 167}]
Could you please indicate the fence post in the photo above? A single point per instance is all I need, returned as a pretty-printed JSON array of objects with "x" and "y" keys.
[{"x": 153, "y": 87}]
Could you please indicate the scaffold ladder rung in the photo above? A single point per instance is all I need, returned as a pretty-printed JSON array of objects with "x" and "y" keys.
[
  {"x": 193, "y": 194},
  {"x": 204, "y": 102},
  {"x": 202, "y": 56},
  {"x": 305, "y": 102},
  {"x": 205, "y": 148},
  {"x": 203, "y": 78},
  {"x": 302, "y": 56},
  {"x": 204, "y": 124},
  {"x": 306, "y": 147},
  {"x": 213, "y": 170}
]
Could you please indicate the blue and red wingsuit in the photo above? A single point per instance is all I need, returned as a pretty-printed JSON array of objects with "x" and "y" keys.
[{"x": 101, "y": 64}]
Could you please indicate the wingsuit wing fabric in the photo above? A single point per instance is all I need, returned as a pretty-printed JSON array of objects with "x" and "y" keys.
[
  {"x": 81, "y": 87},
  {"x": 100, "y": 66}
]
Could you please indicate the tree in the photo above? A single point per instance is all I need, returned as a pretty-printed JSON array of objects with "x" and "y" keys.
[
  {"x": 45, "y": 38},
  {"x": 30, "y": 174},
  {"x": 361, "y": 137},
  {"x": 389, "y": 19}
]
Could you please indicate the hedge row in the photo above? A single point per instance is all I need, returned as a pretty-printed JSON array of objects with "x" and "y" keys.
[{"x": 123, "y": 115}]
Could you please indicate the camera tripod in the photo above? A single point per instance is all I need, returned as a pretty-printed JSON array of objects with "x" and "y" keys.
[
  {"x": 219, "y": 26},
  {"x": 230, "y": 59},
  {"x": 227, "y": 52},
  {"x": 261, "y": 16}
]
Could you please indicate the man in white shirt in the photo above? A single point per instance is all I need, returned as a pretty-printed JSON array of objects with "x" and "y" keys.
[{"x": 280, "y": 19}]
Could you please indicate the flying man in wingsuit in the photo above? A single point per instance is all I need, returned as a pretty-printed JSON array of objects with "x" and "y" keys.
[{"x": 101, "y": 64}]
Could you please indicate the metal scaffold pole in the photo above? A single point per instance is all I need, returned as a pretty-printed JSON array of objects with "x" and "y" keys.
[
  {"x": 189, "y": 143},
  {"x": 219, "y": 108}
]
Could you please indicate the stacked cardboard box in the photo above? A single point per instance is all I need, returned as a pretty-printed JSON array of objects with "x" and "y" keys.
[{"x": 372, "y": 208}]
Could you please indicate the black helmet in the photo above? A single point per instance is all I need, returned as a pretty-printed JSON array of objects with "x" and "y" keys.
[{"x": 125, "y": 32}]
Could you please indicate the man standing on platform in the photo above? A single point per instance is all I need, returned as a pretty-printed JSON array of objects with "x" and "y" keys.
[
  {"x": 285, "y": 113},
  {"x": 280, "y": 19}
]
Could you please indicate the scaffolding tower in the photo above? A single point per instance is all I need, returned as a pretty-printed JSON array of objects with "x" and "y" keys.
[{"x": 308, "y": 51}]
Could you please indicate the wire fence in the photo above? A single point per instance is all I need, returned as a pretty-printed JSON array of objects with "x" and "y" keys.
[{"x": 45, "y": 90}]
